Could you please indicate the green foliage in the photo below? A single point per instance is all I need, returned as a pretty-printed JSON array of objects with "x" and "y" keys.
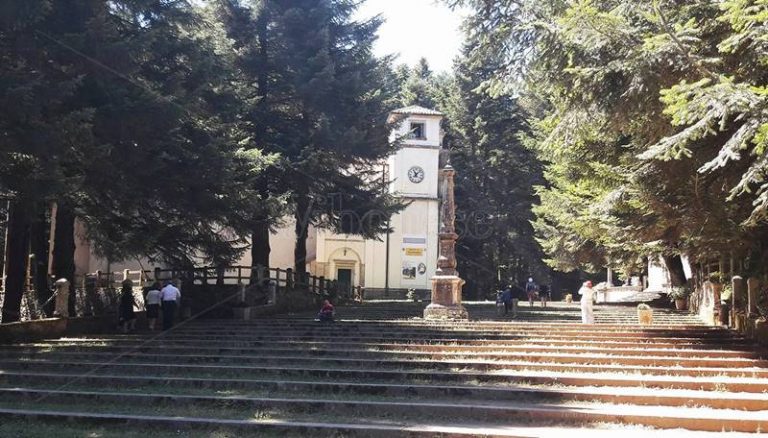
[
  {"x": 679, "y": 293},
  {"x": 650, "y": 116},
  {"x": 716, "y": 277},
  {"x": 495, "y": 174},
  {"x": 310, "y": 91}
]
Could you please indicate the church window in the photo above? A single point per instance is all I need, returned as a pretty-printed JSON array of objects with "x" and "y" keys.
[{"x": 417, "y": 131}]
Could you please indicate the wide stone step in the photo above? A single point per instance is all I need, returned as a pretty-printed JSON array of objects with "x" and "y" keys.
[
  {"x": 459, "y": 327},
  {"x": 156, "y": 424},
  {"x": 94, "y": 371},
  {"x": 674, "y": 322},
  {"x": 396, "y": 361},
  {"x": 576, "y": 413},
  {"x": 532, "y": 348},
  {"x": 454, "y": 393},
  {"x": 465, "y": 334},
  {"x": 634, "y": 357},
  {"x": 730, "y": 344}
]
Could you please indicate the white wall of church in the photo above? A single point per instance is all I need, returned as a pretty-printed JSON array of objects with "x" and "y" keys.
[
  {"x": 282, "y": 244},
  {"x": 402, "y": 161}
]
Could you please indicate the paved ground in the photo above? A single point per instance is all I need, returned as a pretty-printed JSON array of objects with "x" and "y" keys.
[{"x": 382, "y": 371}]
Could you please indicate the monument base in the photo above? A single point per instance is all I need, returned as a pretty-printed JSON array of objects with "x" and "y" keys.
[
  {"x": 438, "y": 311},
  {"x": 446, "y": 299}
]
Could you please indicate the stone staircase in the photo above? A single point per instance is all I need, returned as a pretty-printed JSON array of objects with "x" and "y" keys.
[{"x": 381, "y": 371}]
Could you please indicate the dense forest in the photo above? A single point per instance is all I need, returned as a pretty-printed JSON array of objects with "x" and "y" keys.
[
  {"x": 650, "y": 118},
  {"x": 585, "y": 134},
  {"x": 182, "y": 130}
]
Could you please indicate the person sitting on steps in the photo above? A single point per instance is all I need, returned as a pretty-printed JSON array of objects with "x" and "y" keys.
[{"x": 326, "y": 312}]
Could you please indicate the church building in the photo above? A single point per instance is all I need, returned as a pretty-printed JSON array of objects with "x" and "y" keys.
[{"x": 404, "y": 259}]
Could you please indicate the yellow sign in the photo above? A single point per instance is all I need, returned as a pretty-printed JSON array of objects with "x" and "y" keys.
[{"x": 415, "y": 252}]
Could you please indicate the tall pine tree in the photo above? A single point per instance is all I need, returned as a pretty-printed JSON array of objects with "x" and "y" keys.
[{"x": 315, "y": 95}]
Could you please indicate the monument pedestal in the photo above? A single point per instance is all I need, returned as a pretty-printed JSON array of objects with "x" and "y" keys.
[{"x": 446, "y": 299}]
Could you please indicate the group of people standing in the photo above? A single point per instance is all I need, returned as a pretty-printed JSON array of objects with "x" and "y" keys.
[
  {"x": 156, "y": 299},
  {"x": 534, "y": 291}
]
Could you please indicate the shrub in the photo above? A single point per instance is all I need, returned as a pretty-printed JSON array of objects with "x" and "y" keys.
[
  {"x": 679, "y": 293},
  {"x": 727, "y": 293},
  {"x": 716, "y": 277}
]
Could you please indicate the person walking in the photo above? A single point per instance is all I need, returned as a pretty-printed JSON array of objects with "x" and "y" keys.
[
  {"x": 544, "y": 295},
  {"x": 170, "y": 296},
  {"x": 152, "y": 301},
  {"x": 127, "y": 311},
  {"x": 587, "y": 311},
  {"x": 531, "y": 289},
  {"x": 506, "y": 298}
]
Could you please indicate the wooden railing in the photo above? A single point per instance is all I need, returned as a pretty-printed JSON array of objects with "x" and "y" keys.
[
  {"x": 98, "y": 292},
  {"x": 231, "y": 275}
]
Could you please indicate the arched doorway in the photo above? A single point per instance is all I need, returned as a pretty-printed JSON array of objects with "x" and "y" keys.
[{"x": 346, "y": 267}]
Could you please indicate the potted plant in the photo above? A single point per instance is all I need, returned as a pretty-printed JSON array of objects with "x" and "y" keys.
[
  {"x": 644, "y": 314},
  {"x": 679, "y": 295}
]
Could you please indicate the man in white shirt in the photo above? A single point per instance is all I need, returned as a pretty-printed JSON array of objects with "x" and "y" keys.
[{"x": 170, "y": 296}]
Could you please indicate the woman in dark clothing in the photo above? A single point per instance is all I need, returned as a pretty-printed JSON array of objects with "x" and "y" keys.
[{"x": 127, "y": 303}]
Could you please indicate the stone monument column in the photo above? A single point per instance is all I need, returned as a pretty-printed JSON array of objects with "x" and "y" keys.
[{"x": 446, "y": 284}]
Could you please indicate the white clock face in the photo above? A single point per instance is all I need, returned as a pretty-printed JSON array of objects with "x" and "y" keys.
[{"x": 416, "y": 174}]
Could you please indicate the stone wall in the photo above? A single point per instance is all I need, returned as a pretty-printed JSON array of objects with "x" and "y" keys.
[
  {"x": 705, "y": 302},
  {"x": 742, "y": 307},
  {"x": 51, "y": 328}
]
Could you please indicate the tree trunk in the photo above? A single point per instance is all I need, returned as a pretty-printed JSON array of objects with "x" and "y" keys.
[
  {"x": 302, "y": 215},
  {"x": 16, "y": 256},
  {"x": 64, "y": 250},
  {"x": 260, "y": 248},
  {"x": 674, "y": 266},
  {"x": 39, "y": 234}
]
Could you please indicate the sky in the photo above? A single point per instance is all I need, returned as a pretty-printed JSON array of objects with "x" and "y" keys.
[{"x": 415, "y": 29}]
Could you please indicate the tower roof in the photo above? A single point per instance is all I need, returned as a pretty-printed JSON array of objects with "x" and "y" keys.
[{"x": 417, "y": 110}]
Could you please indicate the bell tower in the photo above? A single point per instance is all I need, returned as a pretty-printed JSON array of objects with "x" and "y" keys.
[{"x": 414, "y": 175}]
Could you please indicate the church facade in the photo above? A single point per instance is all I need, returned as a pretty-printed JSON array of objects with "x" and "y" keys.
[{"x": 403, "y": 259}]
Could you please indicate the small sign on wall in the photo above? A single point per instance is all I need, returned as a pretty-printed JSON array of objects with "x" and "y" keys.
[
  {"x": 414, "y": 252},
  {"x": 414, "y": 260}
]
